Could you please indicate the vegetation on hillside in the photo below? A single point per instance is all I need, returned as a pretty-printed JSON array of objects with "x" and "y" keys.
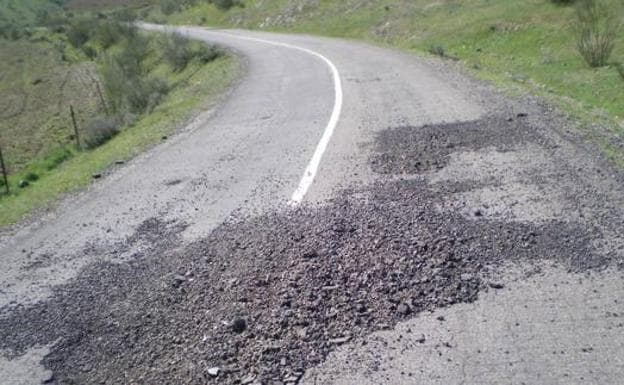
[{"x": 111, "y": 77}]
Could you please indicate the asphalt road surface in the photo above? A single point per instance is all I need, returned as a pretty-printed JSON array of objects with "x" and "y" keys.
[{"x": 529, "y": 290}]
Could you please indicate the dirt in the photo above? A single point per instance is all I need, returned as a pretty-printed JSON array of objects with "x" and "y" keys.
[{"x": 261, "y": 299}]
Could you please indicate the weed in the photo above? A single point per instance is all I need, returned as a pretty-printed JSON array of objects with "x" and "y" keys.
[
  {"x": 437, "y": 50},
  {"x": 31, "y": 177},
  {"x": 597, "y": 32},
  {"x": 57, "y": 157}
]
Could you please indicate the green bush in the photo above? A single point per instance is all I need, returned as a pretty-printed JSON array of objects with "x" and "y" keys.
[
  {"x": 128, "y": 88},
  {"x": 80, "y": 31},
  {"x": 167, "y": 7},
  {"x": 56, "y": 157},
  {"x": 179, "y": 51},
  {"x": 597, "y": 30},
  {"x": 108, "y": 34}
]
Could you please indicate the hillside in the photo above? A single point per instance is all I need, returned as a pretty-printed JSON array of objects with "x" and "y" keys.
[{"x": 127, "y": 90}]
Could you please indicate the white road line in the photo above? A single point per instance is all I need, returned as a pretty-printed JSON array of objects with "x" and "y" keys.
[{"x": 310, "y": 171}]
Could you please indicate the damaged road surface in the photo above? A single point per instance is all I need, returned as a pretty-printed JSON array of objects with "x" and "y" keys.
[{"x": 450, "y": 236}]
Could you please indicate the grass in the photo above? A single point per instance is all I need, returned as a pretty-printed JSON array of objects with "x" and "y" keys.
[
  {"x": 205, "y": 84},
  {"x": 37, "y": 88},
  {"x": 198, "y": 87},
  {"x": 518, "y": 45}
]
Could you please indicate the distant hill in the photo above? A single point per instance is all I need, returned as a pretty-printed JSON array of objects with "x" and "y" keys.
[{"x": 93, "y": 4}]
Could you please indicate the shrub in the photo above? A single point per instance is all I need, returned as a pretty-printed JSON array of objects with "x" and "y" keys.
[
  {"x": 31, "y": 177},
  {"x": 145, "y": 94},
  {"x": 167, "y": 7},
  {"x": 226, "y": 4},
  {"x": 80, "y": 31},
  {"x": 108, "y": 33},
  {"x": 178, "y": 51},
  {"x": 437, "y": 50},
  {"x": 56, "y": 157},
  {"x": 127, "y": 87},
  {"x": 597, "y": 31},
  {"x": 100, "y": 130}
]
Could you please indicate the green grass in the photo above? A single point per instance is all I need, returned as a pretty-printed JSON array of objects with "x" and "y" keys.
[
  {"x": 521, "y": 46},
  {"x": 202, "y": 84},
  {"x": 36, "y": 89}
]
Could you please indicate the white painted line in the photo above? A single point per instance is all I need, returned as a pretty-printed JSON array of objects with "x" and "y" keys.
[{"x": 310, "y": 171}]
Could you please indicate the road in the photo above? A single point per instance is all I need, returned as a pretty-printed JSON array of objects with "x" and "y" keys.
[{"x": 302, "y": 124}]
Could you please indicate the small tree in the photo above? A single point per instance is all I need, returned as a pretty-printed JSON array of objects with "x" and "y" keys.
[{"x": 597, "y": 30}]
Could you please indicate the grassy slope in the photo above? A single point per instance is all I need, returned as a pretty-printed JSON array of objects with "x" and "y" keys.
[
  {"x": 36, "y": 90},
  {"x": 203, "y": 85},
  {"x": 522, "y": 45}
]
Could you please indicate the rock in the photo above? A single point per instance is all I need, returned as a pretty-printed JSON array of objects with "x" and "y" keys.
[
  {"x": 403, "y": 309},
  {"x": 522, "y": 114},
  {"x": 239, "y": 325},
  {"x": 466, "y": 277},
  {"x": 293, "y": 378},
  {"x": 214, "y": 372},
  {"x": 421, "y": 339},
  {"x": 441, "y": 318},
  {"x": 164, "y": 137},
  {"x": 178, "y": 280},
  {"x": 478, "y": 213},
  {"x": 339, "y": 341},
  {"x": 310, "y": 254},
  {"x": 120, "y": 161},
  {"x": 496, "y": 285},
  {"x": 96, "y": 176},
  {"x": 249, "y": 379}
]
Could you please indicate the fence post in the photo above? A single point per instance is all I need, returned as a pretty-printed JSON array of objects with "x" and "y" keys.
[
  {"x": 73, "y": 117},
  {"x": 99, "y": 91},
  {"x": 4, "y": 172}
]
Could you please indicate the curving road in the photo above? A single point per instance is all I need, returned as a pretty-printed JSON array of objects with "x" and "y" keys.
[{"x": 295, "y": 129}]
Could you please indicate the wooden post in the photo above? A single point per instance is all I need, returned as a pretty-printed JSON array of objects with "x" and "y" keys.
[
  {"x": 4, "y": 172},
  {"x": 99, "y": 91},
  {"x": 73, "y": 117}
]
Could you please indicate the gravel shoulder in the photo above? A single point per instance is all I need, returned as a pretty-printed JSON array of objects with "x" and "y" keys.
[{"x": 457, "y": 211}]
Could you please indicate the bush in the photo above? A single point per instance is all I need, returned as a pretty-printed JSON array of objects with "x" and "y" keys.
[
  {"x": 226, "y": 4},
  {"x": 108, "y": 33},
  {"x": 597, "y": 31},
  {"x": 100, "y": 130},
  {"x": 80, "y": 31},
  {"x": 179, "y": 51},
  {"x": 437, "y": 50},
  {"x": 56, "y": 157},
  {"x": 31, "y": 177},
  {"x": 127, "y": 87},
  {"x": 167, "y": 7},
  {"x": 145, "y": 94}
]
